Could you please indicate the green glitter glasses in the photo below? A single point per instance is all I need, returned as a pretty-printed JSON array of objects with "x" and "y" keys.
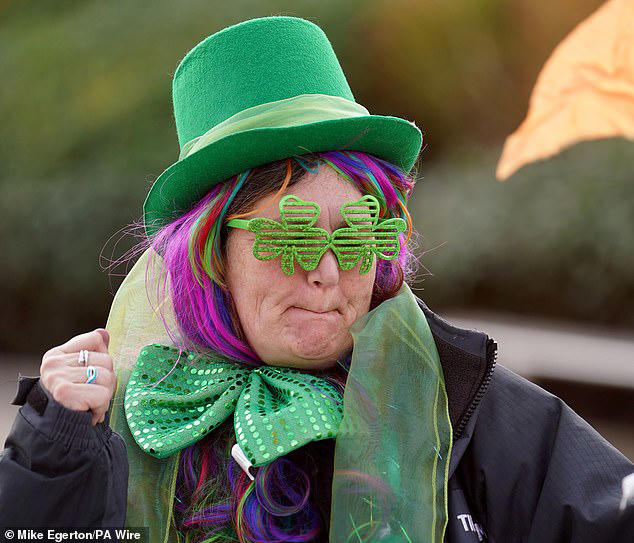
[{"x": 295, "y": 238}]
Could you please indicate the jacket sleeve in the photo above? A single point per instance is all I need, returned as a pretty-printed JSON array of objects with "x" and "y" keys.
[
  {"x": 540, "y": 473},
  {"x": 57, "y": 470}
]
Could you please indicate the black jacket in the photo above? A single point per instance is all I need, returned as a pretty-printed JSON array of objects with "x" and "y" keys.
[{"x": 524, "y": 467}]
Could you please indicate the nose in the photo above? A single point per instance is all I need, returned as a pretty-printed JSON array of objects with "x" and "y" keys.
[{"x": 326, "y": 274}]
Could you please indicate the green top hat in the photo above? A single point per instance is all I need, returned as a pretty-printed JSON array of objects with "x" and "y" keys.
[{"x": 259, "y": 91}]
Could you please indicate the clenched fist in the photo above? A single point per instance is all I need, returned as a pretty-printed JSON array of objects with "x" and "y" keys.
[{"x": 65, "y": 379}]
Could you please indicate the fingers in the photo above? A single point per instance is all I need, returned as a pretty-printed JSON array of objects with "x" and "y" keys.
[
  {"x": 97, "y": 341},
  {"x": 72, "y": 360},
  {"x": 83, "y": 397},
  {"x": 97, "y": 419},
  {"x": 53, "y": 378},
  {"x": 65, "y": 379},
  {"x": 105, "y": 335},
  {"x": 104, "y": 377}
]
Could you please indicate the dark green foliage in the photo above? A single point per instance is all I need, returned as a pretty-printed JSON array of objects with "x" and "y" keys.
[{"x": 556, "y": 239}]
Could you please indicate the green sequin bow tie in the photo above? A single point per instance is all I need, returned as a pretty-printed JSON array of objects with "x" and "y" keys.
[{"x": 275, "y": 410}]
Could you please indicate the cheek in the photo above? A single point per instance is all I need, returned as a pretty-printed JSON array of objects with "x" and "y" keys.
[
  {"x": 250, "y": 280},
  {"x": 358, "y": 288},
  {"x": 240, "y": 275}
]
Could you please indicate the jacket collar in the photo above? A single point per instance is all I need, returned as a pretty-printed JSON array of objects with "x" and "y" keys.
[{"x": 468, "y": 361}]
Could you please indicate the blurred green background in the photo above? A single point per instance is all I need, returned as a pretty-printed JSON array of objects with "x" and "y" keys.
[{"x": 87, "y": 126}]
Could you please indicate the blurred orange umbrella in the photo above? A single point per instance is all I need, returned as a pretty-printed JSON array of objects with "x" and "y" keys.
[{"x": 585, "y": 90}]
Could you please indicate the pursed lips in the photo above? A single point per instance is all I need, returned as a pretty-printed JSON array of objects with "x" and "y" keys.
[{"x": 318, "y": 312}]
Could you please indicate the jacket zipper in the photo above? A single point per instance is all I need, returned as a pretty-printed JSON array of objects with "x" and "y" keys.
[{"x": 491, "y": 354}]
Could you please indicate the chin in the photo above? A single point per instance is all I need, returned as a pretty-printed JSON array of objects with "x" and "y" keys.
[
  {"x": 310, "y": 352},
  {"x": 305, "y": 342},
  {"x": 312, "y": 364},
  {"x": 321, "y": 349}
]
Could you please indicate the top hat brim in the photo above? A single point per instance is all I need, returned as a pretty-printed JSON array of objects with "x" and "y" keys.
[{"x": 185, "y": 182}]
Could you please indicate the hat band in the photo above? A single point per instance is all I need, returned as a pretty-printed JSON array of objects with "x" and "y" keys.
[{"x": 295, "y": 111}]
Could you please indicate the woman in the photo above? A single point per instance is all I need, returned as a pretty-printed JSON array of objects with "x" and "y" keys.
[{"x": 276, "y": 378}]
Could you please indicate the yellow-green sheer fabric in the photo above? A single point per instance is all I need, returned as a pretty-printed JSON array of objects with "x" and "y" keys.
[
  {"x": 294, "y": 111},
  {"x": 135, "y": 321},
  {"x": 392, "y": 451},
  {"x": 394, "y": 442}
]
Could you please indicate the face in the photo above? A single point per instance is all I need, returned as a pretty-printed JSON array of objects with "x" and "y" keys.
[{"x": 302, "y": 320}]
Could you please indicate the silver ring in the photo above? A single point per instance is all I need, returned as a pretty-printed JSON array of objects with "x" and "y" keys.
[
  {"x": 91, "y": 374},
  {"x": 83, "y": 357}
]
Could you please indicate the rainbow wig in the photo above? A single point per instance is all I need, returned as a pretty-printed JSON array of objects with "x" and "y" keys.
[{"x": 215, "y": 500}]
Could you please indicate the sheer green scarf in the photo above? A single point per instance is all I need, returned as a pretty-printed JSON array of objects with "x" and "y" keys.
[
  {"x": 393, "y": 447},
  {"x": 394, "y": 442}
]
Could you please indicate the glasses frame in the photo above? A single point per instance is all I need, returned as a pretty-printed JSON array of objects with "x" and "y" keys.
[{"x": 296, "y": 239}]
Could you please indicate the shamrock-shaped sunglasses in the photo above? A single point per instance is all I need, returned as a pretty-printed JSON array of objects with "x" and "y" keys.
[{"x": 295, "y": 237}]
